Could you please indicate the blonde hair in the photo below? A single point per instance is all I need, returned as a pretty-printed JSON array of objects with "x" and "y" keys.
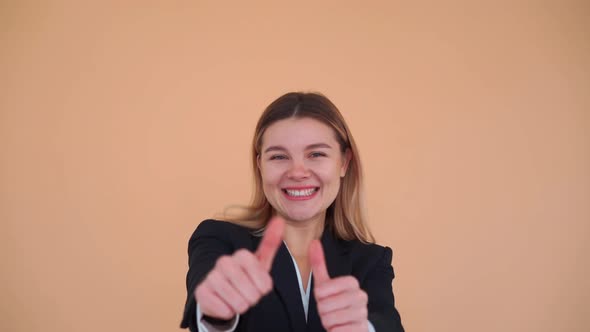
[{"x": 346, "y": 215}]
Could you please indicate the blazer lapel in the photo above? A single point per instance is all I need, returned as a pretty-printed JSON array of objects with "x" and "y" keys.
[
  {"x": 338, "y": 264},
  {"x": 287, "y": 287}
]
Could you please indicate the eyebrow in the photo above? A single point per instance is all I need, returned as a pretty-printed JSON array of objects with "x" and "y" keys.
[{"x": 309, "y": 147}]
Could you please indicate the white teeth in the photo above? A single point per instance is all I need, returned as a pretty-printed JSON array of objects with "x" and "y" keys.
[{"x": 300, "y": 193}]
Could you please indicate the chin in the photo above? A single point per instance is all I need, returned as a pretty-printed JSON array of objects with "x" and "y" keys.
[{"x": 300, "y": 215}]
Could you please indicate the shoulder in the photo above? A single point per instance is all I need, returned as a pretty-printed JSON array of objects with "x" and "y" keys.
[
  {"x": 212, "y": 226},
  {"x": 223, "y": 231},
  {"x": 368, "y": 256},
  {"x": 367, "y": 249}
]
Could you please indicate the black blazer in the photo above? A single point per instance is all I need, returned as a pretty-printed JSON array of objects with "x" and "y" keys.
[{"x": 282, "y": 309}]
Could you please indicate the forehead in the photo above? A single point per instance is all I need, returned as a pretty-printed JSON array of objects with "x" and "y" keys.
[{"x": 298, "y": 132}]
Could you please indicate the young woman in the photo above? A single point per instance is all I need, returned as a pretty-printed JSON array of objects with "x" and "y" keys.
[{"x": 300, "y": 257}]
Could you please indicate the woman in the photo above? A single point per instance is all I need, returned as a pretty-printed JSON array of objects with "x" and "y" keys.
[{"x": 300, "y": 257}]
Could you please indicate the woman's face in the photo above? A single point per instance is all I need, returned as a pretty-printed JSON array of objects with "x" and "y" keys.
[{"x": 301, "y": 166}]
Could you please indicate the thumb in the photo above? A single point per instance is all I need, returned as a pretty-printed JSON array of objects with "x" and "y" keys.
[
  {"x": 318, "y": 262},
  {"x": 273, "y": 237}
]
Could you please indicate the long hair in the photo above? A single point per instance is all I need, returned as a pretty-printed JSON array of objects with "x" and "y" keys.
[{"x": 346, "y": 215}]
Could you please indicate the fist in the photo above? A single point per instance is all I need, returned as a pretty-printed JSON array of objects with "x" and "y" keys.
[
  {"x": 238, "y": 281},
  {"x": 341, "y": 303}
]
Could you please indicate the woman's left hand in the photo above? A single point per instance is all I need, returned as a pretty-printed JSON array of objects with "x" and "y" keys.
[{"x": 341, "y": 303}]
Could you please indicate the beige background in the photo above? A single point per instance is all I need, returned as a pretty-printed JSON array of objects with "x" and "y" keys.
[{"x": 125, "y": 124}]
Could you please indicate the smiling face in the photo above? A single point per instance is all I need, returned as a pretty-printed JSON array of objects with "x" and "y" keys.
[{"x": 301, "y": 164}]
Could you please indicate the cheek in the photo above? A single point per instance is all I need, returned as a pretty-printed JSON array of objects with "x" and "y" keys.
[
  {"x": 329, "y": 173},
  {"x": 270, "y": 175}
]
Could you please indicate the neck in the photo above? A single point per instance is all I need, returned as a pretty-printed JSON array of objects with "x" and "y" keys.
[{"x": 299, "y": 234}]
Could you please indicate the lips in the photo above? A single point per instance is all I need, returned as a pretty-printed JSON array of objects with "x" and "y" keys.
[{"x": 300, "y": 193}]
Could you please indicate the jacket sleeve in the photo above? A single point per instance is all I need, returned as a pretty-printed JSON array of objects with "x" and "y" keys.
[
  {"x": 205, "y": 326},
  {"x": 382, "y": 312},
  {"x": 209, "y": 241}
]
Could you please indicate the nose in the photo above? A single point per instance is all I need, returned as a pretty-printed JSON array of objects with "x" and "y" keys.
[{"x": 298, "y": 171}]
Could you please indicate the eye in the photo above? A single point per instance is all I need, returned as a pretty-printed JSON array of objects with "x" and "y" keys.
[
  {"x": 317, "y": 154},
  {"x": 278, "y": 157}
]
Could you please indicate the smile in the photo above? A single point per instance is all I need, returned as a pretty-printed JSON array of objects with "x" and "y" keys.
[{"x": 300, "y": 194}]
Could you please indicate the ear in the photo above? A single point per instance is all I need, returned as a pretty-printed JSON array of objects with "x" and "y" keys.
[
  {"x": 258, "y": 161},
  {"x": 345, "y": 162}
]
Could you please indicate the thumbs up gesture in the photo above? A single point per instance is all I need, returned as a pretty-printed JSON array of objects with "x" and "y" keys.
[
  {"x": 238, "y": 281},
  {"x": 341, "y": 303}
]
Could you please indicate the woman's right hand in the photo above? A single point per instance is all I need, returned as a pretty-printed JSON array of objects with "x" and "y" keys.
[{"x": 238, "y": 281}]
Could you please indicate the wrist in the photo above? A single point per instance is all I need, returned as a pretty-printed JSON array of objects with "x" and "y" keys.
[{"x": 217, "y": 321}]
